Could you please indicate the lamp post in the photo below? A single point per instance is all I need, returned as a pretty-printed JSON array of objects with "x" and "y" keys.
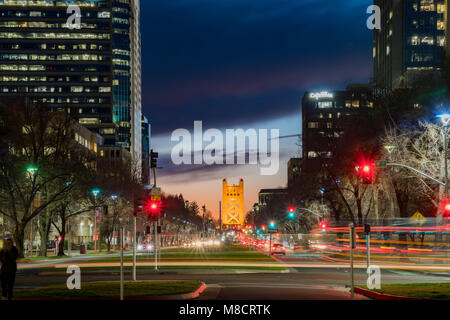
[
  {"x": 322, "y": 191},
  {"x": 32, "y": 171},
  {"x": 95, "y": 192}
]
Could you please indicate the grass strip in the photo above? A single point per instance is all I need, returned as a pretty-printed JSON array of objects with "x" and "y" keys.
[
  {"x": 111, "y": 290},
  {"x": 435, "y": 291},
  {"x": 162, "y": 268}
]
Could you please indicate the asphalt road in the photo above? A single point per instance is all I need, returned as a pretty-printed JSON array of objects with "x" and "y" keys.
[{"x": 303, "y": 283}]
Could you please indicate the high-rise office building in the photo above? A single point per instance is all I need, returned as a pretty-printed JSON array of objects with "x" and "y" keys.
[
  {"x": 93, "y": 72},
  {"x": 325, "y": 117},
  {"x": 146, "y": 134},
  {"x": 411, "y": 42}
]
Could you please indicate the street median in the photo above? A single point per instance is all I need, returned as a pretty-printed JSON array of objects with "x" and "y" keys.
[{"x": 133, "y": 290}]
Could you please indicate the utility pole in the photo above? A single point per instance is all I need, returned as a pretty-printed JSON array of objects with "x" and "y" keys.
[
  {"x": 203, "y": 222},
  {"x": 69, "y": 240},
  {"x": 351, "y": 228},
  {"x": 220, "y": 217},
  {"x": 122, "y": 231},
  {"x": 134, "y": 249},
  {"x": 445, "y": 158}
]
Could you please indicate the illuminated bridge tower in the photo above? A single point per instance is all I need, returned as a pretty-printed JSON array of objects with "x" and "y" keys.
[{"x": 232, "y": 204}]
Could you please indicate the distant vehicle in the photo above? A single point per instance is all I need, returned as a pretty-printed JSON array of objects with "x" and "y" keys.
[
  {"x": 144, "y": 247},
  {"x": 260, "y": 244},
  {"x": 51, "y": 244},
  {"x": 278, "y": 248}
]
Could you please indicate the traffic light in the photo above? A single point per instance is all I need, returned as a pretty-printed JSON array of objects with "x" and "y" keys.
[
  {"x": 323, "y": 226},
  {"x": 446, "y": 207},
  {"x": 272, "y": 224},
  {"x": 152, "y": 208},
  {"x": 153, "y": 159},
  {"x": 291, "y": 212},
  {"x": 366, "y": 171},
  {"x": 139, "y": 206}
]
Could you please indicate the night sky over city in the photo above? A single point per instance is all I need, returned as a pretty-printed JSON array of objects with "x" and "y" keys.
[{"x": 243, "y": 64}]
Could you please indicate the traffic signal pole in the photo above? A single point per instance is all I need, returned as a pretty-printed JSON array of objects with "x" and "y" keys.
[
  {"x": 220, "y": 217},
  {"x": 351, "y": 228},
  {"x": 122, "y": 231},
  {"x": 155, "y": 226},
  {"x": 134, "y": 249}
]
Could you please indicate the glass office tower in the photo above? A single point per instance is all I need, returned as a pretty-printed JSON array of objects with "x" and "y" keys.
[
  {"x": 92, "y": 73},
  {"x": 411, "y": 42}
]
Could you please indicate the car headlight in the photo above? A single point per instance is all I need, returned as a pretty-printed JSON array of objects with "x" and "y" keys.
[{"x": 140, "y": 247}]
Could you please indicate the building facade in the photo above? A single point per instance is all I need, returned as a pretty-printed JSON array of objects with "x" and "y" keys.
[
  {"x": 411, "y": 42},
  {"x": 146, "y": 134},
  {"x": 93, "y": 73},
  {"x": 324, "y": 117},
  {"x": 233, "y": 214},
  {"x": 265, "y": 196}
]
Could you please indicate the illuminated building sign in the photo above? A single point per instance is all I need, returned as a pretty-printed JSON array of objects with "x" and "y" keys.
[{"x": 321, "y": 95}]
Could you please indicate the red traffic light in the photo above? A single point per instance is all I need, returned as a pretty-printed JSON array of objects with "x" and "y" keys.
[
  {"x": 446, "y": 207},
  {"x": 366, "y": 171},
  {"x": 291, "y": 209},
  {"x": 323, "y": 225},
  {"x": 152, "y": 207}
]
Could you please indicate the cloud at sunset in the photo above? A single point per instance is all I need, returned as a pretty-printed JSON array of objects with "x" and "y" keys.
[{"x": 243, "y": 64}]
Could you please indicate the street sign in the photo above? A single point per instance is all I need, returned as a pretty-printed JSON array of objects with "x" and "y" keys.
[
  {"x": 273, "y": 230},
  {"x": 381, "y": 164},
  {"x": 155, "y": 194},
  {"x": 98, "y": 215},
  {"x": 37, "y": 200},
  {"x": 418, "y": 219}
]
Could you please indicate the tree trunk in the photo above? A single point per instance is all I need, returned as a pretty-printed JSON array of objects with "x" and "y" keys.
[
  {"x": 62, "y": 235},
  {"x": 19, "y": 235},
  {"x": 44, "y": 229},
  {"x": 61, "y": 245}
]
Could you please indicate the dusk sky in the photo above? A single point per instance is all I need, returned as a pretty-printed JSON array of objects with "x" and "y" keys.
[{"x": 243, "y": 64}]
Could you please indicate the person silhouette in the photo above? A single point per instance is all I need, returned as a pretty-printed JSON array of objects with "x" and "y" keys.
[{"x": 8, "y": 257}]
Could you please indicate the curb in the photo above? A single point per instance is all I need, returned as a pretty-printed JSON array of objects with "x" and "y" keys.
[
  {"x": 183, "y": 296},
  {"x": 383, "y": 296}
]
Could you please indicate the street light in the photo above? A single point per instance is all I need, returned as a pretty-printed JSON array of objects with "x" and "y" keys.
[
  {"x": 389, "y": 148},
  {"x": 32, "y": 171},
  {"x": 322, "y": 190},
  {"x": 95, "y": 192}
]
